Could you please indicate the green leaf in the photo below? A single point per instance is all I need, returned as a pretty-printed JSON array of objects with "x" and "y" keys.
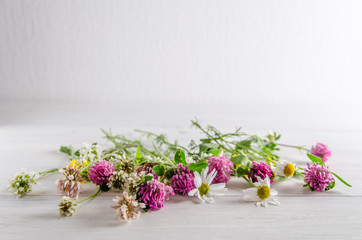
[
  {"x": 159, "y": 170},
  {"x": 207, "y": 147},
  {"x": 197, "y": 167},
  {"x": 215, "y": 152},
  {"x": 138, "y": 156},
  {"x": 315, "y": 159},
  {"x": 331, "y": 186},
  {"x": 66, "y": 150},
  {"x": 169, "y": 173},
  {"x": 340, "y": 179},
  {"x": 180, "y": 157},
  {"x": 240, "y": 159},
  {"x": 241, "y": 171},
  {"x": 243, "y": 144},
  {"x": 146, "y": 179}
]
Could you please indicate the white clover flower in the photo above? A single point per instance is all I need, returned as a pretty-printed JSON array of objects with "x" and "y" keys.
[
  {"x": 128, "y": 207},
  {"x": 262, "y": 193},
  {"x": 67, "y": 206},
  {"x": 118, "y": 181},
  {"x": 21, "y": 184},
  {"x": 204, "y": 189},
  {"x": 285, "y": 169},
  {"x": 90, "y": 152},
  {"x": 123, "y": 162},
  {"x": 71, "y": 185},
  {"x": 189, "y": 160}
]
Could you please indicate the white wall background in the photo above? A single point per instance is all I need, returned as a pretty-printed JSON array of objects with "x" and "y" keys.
[{"x": 182, "y": 52}]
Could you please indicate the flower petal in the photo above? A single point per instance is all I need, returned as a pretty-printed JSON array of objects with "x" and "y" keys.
[
  {"x": 197, "y": 180},
  {"x": 211, "y": 177},
  {"x": 209, "y": 199},
  {"x": 217, "y": 186},
  {"x": 267, "y": 180},
  {"x": 273, "y": 201},
  {"x": 200, "y": 197},
  {"x": 193, "y": 192},
  {"x": 273, "y": 192},
  {"x": 204, "y": 174},
  {"x": 250, "y": 191}
]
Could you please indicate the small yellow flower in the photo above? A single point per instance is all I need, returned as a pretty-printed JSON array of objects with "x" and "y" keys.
[
  {"x": 85, "y": 163},
  {"x": 76, "y": 164},
  {"x": 73, "y": 164}
]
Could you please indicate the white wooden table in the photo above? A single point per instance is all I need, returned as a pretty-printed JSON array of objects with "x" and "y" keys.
[{"x": 30, "y": 136}]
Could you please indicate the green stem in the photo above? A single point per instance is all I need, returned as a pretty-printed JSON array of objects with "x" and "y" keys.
[
  {"x": 170, "y": 145},
  {"x": 49, "y": 171},
  {"x": 91, "y": 196},
  {"x": 162, "y": 155},
  {"x": 292, "y": 146},
  {"x": 210, "y": 137},
  {"x": 252, "y": 184},
  {"x": 299, "y": 173}
]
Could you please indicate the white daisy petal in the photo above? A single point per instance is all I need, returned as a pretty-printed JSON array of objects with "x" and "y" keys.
[
  {"x": 211, "y": 177},
  {"x": 250, "y": 191},
  {"x": 266, "y": 181},
  {"x": 274, "y": 202},
  {"x": 273, "y": 192},
  {"x": 213, "y": 189},
  {"x": 197, "y": 174},
  {"x": 201, "y": 197},
  {"x": 204, "y": 174},
  {"x": 217, "y": 186},
  {"x": 250, "y": 194},
  {"x": 193, "y": 192},
  {"x": 251, "y": 198},
  {"x": 197, "y": 180},
  {"x": 259, "y": 179},
  {"x": 207, "y": 178},
  {"x": 209, "y": 199}
]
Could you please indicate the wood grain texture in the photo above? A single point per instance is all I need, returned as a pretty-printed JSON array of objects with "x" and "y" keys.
[
  {"x": 181, "y": 52},
  {"x": 30, "y": 137}
]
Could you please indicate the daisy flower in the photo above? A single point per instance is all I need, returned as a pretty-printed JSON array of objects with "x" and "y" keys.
[
  {"x": 204, "y": 189},
  {"x": 262, "y": 193},
  {"x": 285, "y": 169}
]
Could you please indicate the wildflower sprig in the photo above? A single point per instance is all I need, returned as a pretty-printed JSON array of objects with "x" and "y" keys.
[
  {"x": 67, "y": 205},
  {"x": 23, "y": 181},
  {"x": 320, "y": 171},
  {"x": 146, "y": 171}
]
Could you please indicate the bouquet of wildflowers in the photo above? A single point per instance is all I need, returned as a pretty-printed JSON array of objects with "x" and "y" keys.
[{"x": 145, "y": 173}]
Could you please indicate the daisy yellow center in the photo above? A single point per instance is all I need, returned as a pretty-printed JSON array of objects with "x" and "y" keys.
[
  {"x": 289, "y": 170},
  {"x": 263, "y": 192},
  {"x": 204, "y": 189}
]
